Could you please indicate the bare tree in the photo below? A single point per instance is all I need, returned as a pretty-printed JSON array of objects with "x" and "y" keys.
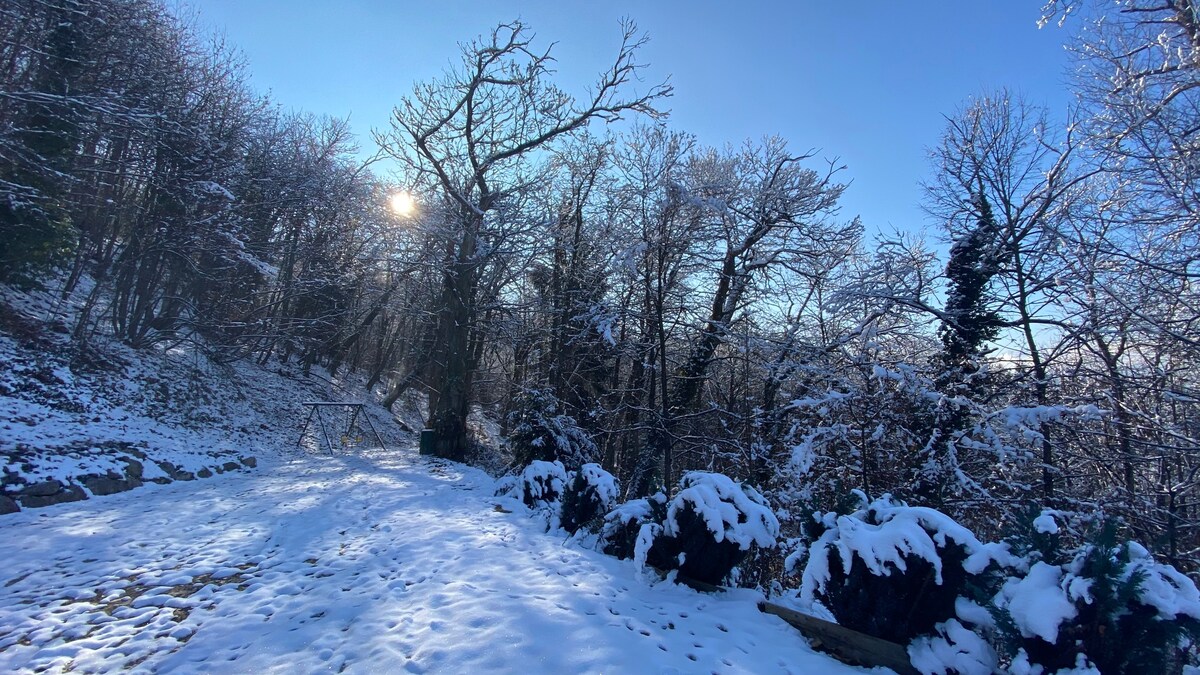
[
  {"x": 1004, "y": 181},
  {"x": 475, "y": 137},
  {"x": 764, "y": 209}
]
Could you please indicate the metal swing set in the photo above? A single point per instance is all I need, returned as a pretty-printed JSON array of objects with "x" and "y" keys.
[{"x": 351, "y": 436}]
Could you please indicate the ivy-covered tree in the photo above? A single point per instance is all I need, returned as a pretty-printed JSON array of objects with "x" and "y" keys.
[{"x": 969, "y": 322}]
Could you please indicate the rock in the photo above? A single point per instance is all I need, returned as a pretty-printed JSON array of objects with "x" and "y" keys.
[
  {"x": 250, "y": 462},
  {"x": 204, "y": 473},
  {"x": 8, "y": 505},
  {"x": 108, "y": 485},
  {"x": 175, "y": 472},
  {"x": 70, "y": 493},
  {"x": 230, "y": 466},
  {"x": 45, "y": 488},
  {"x": 133, "y": 468}
]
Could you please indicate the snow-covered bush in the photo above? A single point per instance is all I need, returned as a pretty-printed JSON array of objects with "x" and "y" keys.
[
  {"x": 590, "y": 493},
  {"x": 541, "y": 483},
  {"x": 1110, "y": 605},
  {"x": 897, "y": 572},
  {"x": 542, "y": 431},
  {"x": 710, "y": 525},
  {"x": 953, "y": 648},
  {"x": 622, "y": 525}
]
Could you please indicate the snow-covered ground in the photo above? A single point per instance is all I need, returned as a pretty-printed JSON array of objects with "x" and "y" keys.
[{"x": 377, "y": 561}]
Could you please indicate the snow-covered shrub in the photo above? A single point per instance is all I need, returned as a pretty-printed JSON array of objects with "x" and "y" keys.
[
  {"x": 953, "y": 648},
  {"x": 590, "y": 493},
  {"x": 897, "y": 572},
  {"x": 542, "y": 431},
  {"x": 710, "y": 525},
  {"x": 1109, "y": 605},
  {"x": 622, "y": 525},
  {"x": 541, "y": 483}
]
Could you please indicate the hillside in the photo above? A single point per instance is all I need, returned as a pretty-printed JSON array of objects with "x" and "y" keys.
[{"x": 107, "y": 418}]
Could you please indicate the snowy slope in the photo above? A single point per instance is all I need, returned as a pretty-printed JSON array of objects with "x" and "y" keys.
[
  {"x": 374, "y": 562},
  {"x": 67, "y": 414}
]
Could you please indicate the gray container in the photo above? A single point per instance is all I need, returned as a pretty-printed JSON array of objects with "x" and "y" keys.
[{"x": 428, "y": 441}]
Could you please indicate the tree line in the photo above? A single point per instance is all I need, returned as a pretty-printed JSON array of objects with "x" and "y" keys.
[{"x": 622, "y": 294}]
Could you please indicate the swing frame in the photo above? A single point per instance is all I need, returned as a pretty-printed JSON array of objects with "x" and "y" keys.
[{"x": 314, "y": 409}]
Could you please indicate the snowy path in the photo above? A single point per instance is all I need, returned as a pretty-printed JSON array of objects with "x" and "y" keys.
[{"x": 375, "y": 563}]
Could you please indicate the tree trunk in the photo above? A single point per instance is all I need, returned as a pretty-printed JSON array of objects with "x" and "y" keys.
[{"x": 453, "y": 364}]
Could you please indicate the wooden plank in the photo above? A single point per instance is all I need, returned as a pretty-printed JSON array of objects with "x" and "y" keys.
[{"x": 848, "y": 645}]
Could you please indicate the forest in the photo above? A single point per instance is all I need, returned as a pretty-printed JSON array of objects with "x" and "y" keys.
[{"x": 609, "y": 291}]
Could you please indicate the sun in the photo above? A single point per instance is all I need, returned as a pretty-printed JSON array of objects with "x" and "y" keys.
[{"x": 402, "y": 204}]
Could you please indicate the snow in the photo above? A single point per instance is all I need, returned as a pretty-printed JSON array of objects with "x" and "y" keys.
[
  {"x": 603, "y": 482},
  {"x": 972, "y": 612},
  {"x": 376, "y": 561},
  {"x": 1022, "y": 666},
  {"x": 1163, "y": 587},
  {"x": 55, "y": 424},
  {"x": 264, "y": 268},
  {"x": 1045, "y": 523},
  {"x": 542, "y": 481},
  {"x": 1038, "y": 603},
  {"x": 645, "y": 540},
  {"x": 632, "y": 511},
  {"x": 215, "y": 189},
  {"x": 886, "y": 532},
  {"x": 955, "y": 649},
  {"x": 731, "y": 511}
]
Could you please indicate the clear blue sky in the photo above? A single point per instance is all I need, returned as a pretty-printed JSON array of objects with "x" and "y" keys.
[{"x": 866, "y": 82}]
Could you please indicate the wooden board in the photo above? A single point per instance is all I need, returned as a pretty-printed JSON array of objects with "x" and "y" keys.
[{"x": 848, "y": 645}]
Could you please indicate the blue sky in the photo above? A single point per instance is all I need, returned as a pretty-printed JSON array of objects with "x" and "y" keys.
[{"x": 867, "y": 83}]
